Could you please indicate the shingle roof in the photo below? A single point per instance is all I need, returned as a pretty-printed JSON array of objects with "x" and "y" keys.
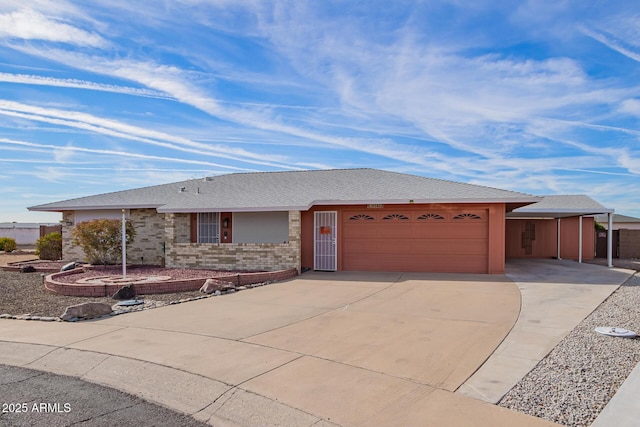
[
  {"x": 561, "y": 205},
  {"x": 617, "y": 218},
  {"x": 297, "y": 190}
]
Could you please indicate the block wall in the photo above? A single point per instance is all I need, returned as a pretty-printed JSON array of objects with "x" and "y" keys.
[
  {"x": 230, "y": 256},
  {"x": 629, "y": 243}
]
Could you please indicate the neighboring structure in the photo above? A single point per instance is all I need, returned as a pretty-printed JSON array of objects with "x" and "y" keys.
[
  {"x": 625, "y": 235},
  {"x": 25, "y": 233},
  {"x": 343, "y": 219},
  {"x": 620, "y": 222}
]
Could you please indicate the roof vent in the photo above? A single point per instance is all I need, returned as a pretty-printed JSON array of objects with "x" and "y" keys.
[{"x": 182, "y": 189}]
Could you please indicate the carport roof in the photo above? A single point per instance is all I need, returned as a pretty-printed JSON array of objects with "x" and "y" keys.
[
  {"x": 560, "y": 206},
  {"x": 292, "y": 190}
]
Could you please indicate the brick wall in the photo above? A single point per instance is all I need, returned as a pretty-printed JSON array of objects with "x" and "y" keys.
[
  {"x": 230, "y": 256},
  {"x": 629, "y": 243},
  {"x": 147, "y": 246},
  {"x": 70, "y": 252},
  {"x": 147, "y": 288}
]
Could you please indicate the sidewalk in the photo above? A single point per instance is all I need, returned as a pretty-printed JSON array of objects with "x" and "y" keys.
[{"x": 556, "y": 297}]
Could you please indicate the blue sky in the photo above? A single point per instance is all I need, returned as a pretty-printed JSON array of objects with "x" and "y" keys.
[{"x": 535, "y": 96}]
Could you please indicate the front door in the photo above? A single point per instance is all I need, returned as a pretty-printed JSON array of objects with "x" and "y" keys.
[{"x": 325, "y": 247}]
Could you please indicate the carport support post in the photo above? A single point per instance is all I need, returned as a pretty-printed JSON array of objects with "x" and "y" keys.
[
  {"x": 124, "y": 246},
  {"x": 610, "y": 240},
  {"x": 580, "y": 239},
  {"x": 559, "y": 238}
]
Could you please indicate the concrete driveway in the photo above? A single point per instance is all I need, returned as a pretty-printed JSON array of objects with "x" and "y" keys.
[{"x": 323, "y": 349}]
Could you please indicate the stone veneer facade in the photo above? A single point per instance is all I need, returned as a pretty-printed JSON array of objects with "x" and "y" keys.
[
  {"x": 180, "y": 252},
  {"x": 147, "y": 246},
  {"x": 164, "y": 239}
]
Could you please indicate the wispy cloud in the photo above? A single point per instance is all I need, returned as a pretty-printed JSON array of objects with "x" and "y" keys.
[
  {"x": 116, "y": 154},
  {"x": 532, "y": 96},
  {"x": 78, "y": 84},
  {"x": 29, "y": 24},
  {"x": 117, "y": 129}
]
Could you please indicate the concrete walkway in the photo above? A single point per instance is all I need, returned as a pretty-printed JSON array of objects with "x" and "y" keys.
[
  {"x": 556, "y": 297},
  {"x": 325, "y": 349}
]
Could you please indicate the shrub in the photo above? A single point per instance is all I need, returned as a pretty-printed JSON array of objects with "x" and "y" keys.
[
  {"x": 8, "y": 244},
  {"x": 101, "y": 239},
  {"x": 50, "y": 246}
]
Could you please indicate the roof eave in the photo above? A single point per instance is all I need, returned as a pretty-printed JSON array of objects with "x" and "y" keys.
[
  {"x": 344, "y": 203},
  {"x": 44, "y": 208}
]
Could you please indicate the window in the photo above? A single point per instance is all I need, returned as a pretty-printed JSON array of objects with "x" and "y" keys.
[
  {"x": 208, "y": 227},
  {"x": 467, "y": 216},
  {"x": 430, "y": 216},
  {"x": 395, "y": 217},
  {"x": 361, "y": 217}
]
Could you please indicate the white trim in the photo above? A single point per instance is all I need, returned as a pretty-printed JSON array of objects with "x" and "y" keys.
[
  {"x": 580, "y": 239},
  {"x": 610, "y": 241}
]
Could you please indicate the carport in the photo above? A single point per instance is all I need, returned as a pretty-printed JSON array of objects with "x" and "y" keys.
[{"x": 555, "y": 226}]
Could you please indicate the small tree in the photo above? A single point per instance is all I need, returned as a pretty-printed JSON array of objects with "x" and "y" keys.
[
  {"x": 8, "y": 244},
  {"x": 50, "y": 246},
  {"x": 101, "y": 239}
]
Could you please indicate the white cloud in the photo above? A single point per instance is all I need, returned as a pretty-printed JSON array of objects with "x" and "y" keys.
[
  {"x": 78, "y": 84},
  {"x": 29, "y": 24},
  {"x": 116, "y": 154},
  {"x": 121, "y": 130}
]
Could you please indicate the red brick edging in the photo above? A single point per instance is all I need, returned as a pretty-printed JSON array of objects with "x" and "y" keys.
[{"x": 105, "y": 290}]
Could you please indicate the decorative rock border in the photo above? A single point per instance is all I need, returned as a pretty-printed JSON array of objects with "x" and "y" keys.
[
  {"x": 148, "y": 304},
  {"x": 161, "y": 286},
  {"x": 16, "y": 266}
]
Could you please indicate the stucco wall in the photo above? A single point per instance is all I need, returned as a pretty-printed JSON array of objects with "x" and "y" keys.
[
  {"x": 230, "y": 256},
  {"x": 545, "y": 244},
  {"x": 21, "y": 234},
  {"x": 494, "y": 263}
]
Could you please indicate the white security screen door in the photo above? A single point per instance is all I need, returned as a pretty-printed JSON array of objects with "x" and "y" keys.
[{"x": 325, "y": 247}]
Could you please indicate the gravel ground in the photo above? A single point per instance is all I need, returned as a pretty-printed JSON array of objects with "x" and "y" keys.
[
  {"x": 577, "y": 379},
  {"x": 24, "y": 293}
]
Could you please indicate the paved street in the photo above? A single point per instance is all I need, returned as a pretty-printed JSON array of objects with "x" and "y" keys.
[{"x": 40, "y": 399}]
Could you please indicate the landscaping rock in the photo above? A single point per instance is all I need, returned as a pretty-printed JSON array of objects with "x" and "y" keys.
[
  {"x": 87, "y": 310},
  {"x": 69, "y": 266},
  {"x": 27, "y": 269},
  {"x": 212, "y": 285},
  {"x": 125, "y": 292}
]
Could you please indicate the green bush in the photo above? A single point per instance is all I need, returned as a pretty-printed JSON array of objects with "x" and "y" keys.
[
  {"x": 101, "y": 239},
  {"x": 50, "y": 246},
  {"x": 8, "y": 244}
]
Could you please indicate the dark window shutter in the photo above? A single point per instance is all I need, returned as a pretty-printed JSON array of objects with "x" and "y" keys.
[{"x": 194, "y": 228}]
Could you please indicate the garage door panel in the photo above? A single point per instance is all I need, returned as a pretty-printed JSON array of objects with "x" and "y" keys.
[
  {"x": 441, "y": 264},
  {"x": 413, "y": 231},
  {"x": 422, "y": 246},
  {"x": 419, "y": 243}
]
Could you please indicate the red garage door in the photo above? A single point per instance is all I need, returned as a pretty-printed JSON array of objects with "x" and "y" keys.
[{"x": 433, "y": 241}]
